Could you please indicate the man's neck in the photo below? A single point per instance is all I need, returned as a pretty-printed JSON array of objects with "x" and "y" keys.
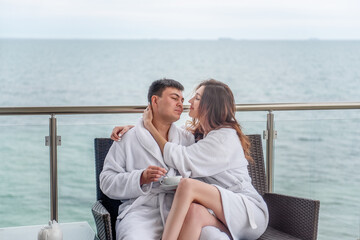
[{"x": 162, "y": 126}]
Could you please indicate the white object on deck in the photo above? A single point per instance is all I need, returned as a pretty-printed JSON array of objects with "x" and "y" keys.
[
  {"x": 74, "y": 230},
  {"x": 51, "y": 232}
]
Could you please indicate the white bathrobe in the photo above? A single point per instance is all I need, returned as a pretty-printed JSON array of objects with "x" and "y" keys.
[
  {"x": 145, "y": 207},
  {"x": 219, "y": 159}
]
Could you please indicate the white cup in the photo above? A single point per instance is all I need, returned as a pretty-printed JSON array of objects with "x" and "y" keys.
[{"x": 171, "y": 180}]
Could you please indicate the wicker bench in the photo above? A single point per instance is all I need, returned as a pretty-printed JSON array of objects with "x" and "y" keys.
[{"x": 290, "y": 217}]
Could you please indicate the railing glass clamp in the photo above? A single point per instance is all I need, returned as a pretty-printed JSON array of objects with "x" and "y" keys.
[
  {"x": 47, "y": 141},
  {"x": 266, "y": 134}
]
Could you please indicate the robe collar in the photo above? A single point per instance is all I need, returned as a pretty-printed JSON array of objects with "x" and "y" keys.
[{"x": 149, "y": 144}]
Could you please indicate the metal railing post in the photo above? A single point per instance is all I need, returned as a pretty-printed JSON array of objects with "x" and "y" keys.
[
  {"x": 53, "y": 168},
  {"x": 270, "y": 151}
]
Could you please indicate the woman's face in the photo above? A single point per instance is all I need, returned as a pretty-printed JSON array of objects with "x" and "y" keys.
[{"x": 195, "y": 102}]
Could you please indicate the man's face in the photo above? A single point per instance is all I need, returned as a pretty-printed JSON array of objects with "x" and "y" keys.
[{"x": 169, "y": 106}]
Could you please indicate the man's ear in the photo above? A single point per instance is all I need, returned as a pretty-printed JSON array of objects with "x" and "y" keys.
[{"x": 154, "y": 100}]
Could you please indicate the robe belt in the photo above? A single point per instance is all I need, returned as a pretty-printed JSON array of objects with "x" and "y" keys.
[
  {"x": 237, "y": 189},
  {"x": 250, "y": 213},
  {"x": 143, "y": 199}
]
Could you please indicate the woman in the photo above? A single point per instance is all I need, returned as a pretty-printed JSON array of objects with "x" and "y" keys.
[{"x": 225, "y": 197}]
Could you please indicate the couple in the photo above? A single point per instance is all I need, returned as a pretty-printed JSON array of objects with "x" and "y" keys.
[{"x": 214, "y": 200}]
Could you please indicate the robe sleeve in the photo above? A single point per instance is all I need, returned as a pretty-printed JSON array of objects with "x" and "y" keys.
[
  {"x": 115, "y": 181},
  {"x": 207, "y": 157}
]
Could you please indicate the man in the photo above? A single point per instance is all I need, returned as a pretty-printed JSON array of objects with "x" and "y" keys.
[{"x": 134, "y": 165}]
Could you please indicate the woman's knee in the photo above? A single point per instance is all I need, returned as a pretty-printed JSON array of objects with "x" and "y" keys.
[{"x": 185, "y": 186}]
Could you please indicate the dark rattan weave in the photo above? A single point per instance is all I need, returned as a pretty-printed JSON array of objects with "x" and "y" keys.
[
  {"x": 272, "y": 234},
  {"x": 294, "y": 216},
  {"x": 105, "y": 225},
  {"x": 291, "y": 218},
  {"x": 102, "y": 221}
]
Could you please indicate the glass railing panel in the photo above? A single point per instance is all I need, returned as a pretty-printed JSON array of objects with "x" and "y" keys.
[
  {"x": 24, "y": 171},
  {"x": 317, "y": 157},
  {"x": 254, "y": 123},
  {"x": 76, "y": 161}
]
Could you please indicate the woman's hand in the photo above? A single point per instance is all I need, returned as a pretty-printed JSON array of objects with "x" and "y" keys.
[
  {"x": 152, "y": 174},
  {"x": 119, "y": 131},
  {"x": 148, "y": 117}
]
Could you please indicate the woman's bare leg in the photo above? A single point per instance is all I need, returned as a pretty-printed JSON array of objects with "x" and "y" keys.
[
  {"x": 196, "y": 218},
  {"x": 189, "y": 191}
]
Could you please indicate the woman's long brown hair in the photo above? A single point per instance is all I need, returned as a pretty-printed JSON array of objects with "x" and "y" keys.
[{"x": 217, "y": 110}]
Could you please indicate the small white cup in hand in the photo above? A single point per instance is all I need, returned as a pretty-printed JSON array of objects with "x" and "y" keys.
[{"x": 170, "y": 180}]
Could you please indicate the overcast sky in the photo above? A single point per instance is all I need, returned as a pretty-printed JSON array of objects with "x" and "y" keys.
[{"x": 180, "y": 19}]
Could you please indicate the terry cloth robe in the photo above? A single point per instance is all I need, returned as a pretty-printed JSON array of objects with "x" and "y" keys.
[
  {"x": 219, "y": 159},
  {"x": 144, "y": 208}
]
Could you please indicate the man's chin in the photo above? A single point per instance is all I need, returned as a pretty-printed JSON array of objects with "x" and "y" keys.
[{"x": 176, "y": 118}]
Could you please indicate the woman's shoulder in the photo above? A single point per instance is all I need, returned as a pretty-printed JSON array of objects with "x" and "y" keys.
[
  {"x": 223, "y": 134},
  {"x": 222, "y": 131}
]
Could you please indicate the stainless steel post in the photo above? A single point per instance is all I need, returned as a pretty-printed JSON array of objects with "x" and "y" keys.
[
  {"x": 270, "y": 151},
  {"x": 53, "y": 168}
]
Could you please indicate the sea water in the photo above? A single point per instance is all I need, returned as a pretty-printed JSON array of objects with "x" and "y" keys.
[{"x": 316, "y": 152}]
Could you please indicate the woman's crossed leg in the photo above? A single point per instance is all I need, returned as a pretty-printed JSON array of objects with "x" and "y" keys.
[{"x": 189, "y": 212}]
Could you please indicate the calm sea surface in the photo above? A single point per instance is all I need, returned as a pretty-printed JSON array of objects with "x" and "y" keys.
[{"x": 317, "y": 153}]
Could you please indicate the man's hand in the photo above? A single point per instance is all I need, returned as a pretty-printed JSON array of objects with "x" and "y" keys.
[
  {"x": 119, "y": 131},
  {"x": 152, "y": 174}
]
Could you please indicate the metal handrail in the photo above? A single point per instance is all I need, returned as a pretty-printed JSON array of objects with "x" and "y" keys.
[
  {"x": 73, "y": 110},
  {"x": 139, "y": 108}
]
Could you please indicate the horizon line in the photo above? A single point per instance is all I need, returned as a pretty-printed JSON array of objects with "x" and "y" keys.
[{"x": 184, "y": 39}]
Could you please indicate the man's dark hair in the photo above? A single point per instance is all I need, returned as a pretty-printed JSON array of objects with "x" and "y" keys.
[{"x": 158, "y": 86}]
